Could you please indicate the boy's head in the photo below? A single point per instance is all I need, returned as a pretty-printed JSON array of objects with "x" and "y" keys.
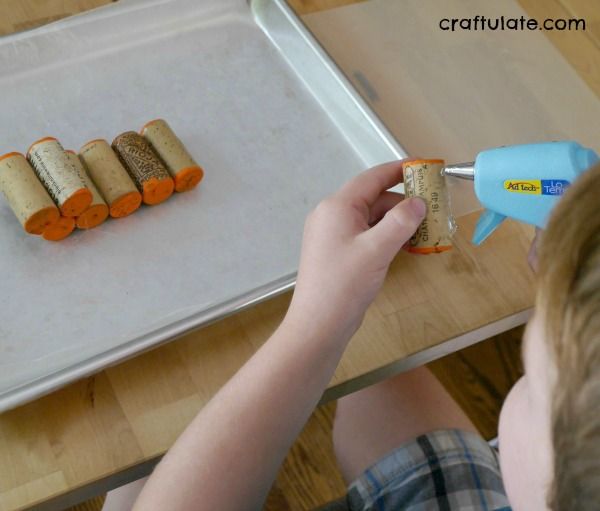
[{"x": 550, "y": 422}]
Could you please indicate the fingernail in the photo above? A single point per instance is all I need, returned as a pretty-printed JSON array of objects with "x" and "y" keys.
[{"x": 419, "y": 206}]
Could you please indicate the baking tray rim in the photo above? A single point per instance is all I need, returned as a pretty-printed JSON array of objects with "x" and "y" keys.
[{"x": 38, "y": 387}]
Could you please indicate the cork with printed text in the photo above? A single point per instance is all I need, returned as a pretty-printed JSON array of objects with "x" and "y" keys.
[{"x": 424, "y": 178}]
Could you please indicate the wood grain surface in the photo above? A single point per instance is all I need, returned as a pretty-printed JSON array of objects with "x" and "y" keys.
[
  {"x": 17, "y": 15},
  {"x": 83, "y": 438},
  {"x": 581, "y": 48}
]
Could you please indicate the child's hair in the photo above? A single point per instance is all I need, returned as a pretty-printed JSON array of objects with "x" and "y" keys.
[{"x": 569, "y": 302}]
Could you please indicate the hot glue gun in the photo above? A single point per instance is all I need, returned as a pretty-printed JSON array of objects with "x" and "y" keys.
[{"x": 523, "y": 182}]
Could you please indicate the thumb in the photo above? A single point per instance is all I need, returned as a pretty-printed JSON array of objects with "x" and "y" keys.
[{"x": 397, "y": 226}]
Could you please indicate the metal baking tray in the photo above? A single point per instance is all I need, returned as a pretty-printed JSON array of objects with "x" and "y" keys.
[{"x": 259, "y": 104}]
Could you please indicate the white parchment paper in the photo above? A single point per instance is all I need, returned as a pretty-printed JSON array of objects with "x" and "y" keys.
[{"x": 269, "y": 150}]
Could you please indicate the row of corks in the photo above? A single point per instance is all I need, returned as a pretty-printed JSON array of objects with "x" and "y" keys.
[{"x": 52, "y": 190}]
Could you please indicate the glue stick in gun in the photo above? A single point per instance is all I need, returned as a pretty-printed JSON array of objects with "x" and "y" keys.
[{"x": 523, "y": 182}]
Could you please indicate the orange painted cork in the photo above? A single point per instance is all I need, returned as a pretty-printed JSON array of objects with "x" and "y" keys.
[
  {"x": 424, "y": 178},
  {"x": 97, "y": 212},
  {"x": 25, "y": 194},
  {"x": 182, "y": 167},
  {"x": 148, "y": 172},
  {"x": 60, "y": 229},
  {"x": 111, "y": 178},
  {"x": 62, "y": 179}
]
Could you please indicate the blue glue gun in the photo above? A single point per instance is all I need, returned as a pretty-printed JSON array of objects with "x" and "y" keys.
[{"x": 523, "y": 182}]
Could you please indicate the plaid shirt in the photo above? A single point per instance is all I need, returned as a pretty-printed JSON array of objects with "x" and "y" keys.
[{"x": 442, "y": 471}]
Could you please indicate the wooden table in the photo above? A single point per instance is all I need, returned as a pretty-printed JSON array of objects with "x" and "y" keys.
[{"x": 112, "y": 428}]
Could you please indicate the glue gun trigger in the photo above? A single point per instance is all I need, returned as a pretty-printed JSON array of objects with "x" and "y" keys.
[{"x": 486, "y": 225}]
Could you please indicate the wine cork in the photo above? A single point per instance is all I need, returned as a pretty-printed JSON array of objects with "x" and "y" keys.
[
  {"x": 61, "y": 178},
  {"x": 111, "y": 178},
  {"x": 182, "y": 167},
  {"x": 149, "y": 174},
  {"x": 60, "y": 229},
  {"x": 424, "y": 178},
  {"x": 98, "y": 210},
  {"x": 26, "y": 196}
]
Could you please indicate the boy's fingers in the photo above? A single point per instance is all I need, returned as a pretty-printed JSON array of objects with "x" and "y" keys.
[
  {"x": 369, "y": 185},
  {"x": 385, "y": 202},
  {"x": 396, "y": 227}
]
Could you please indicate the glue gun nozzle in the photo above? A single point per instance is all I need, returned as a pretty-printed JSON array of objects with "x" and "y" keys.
[{"x": 461, "y": 170}]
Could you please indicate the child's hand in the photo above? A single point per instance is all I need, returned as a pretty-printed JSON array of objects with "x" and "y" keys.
[{"x": 349, "y": 242}]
